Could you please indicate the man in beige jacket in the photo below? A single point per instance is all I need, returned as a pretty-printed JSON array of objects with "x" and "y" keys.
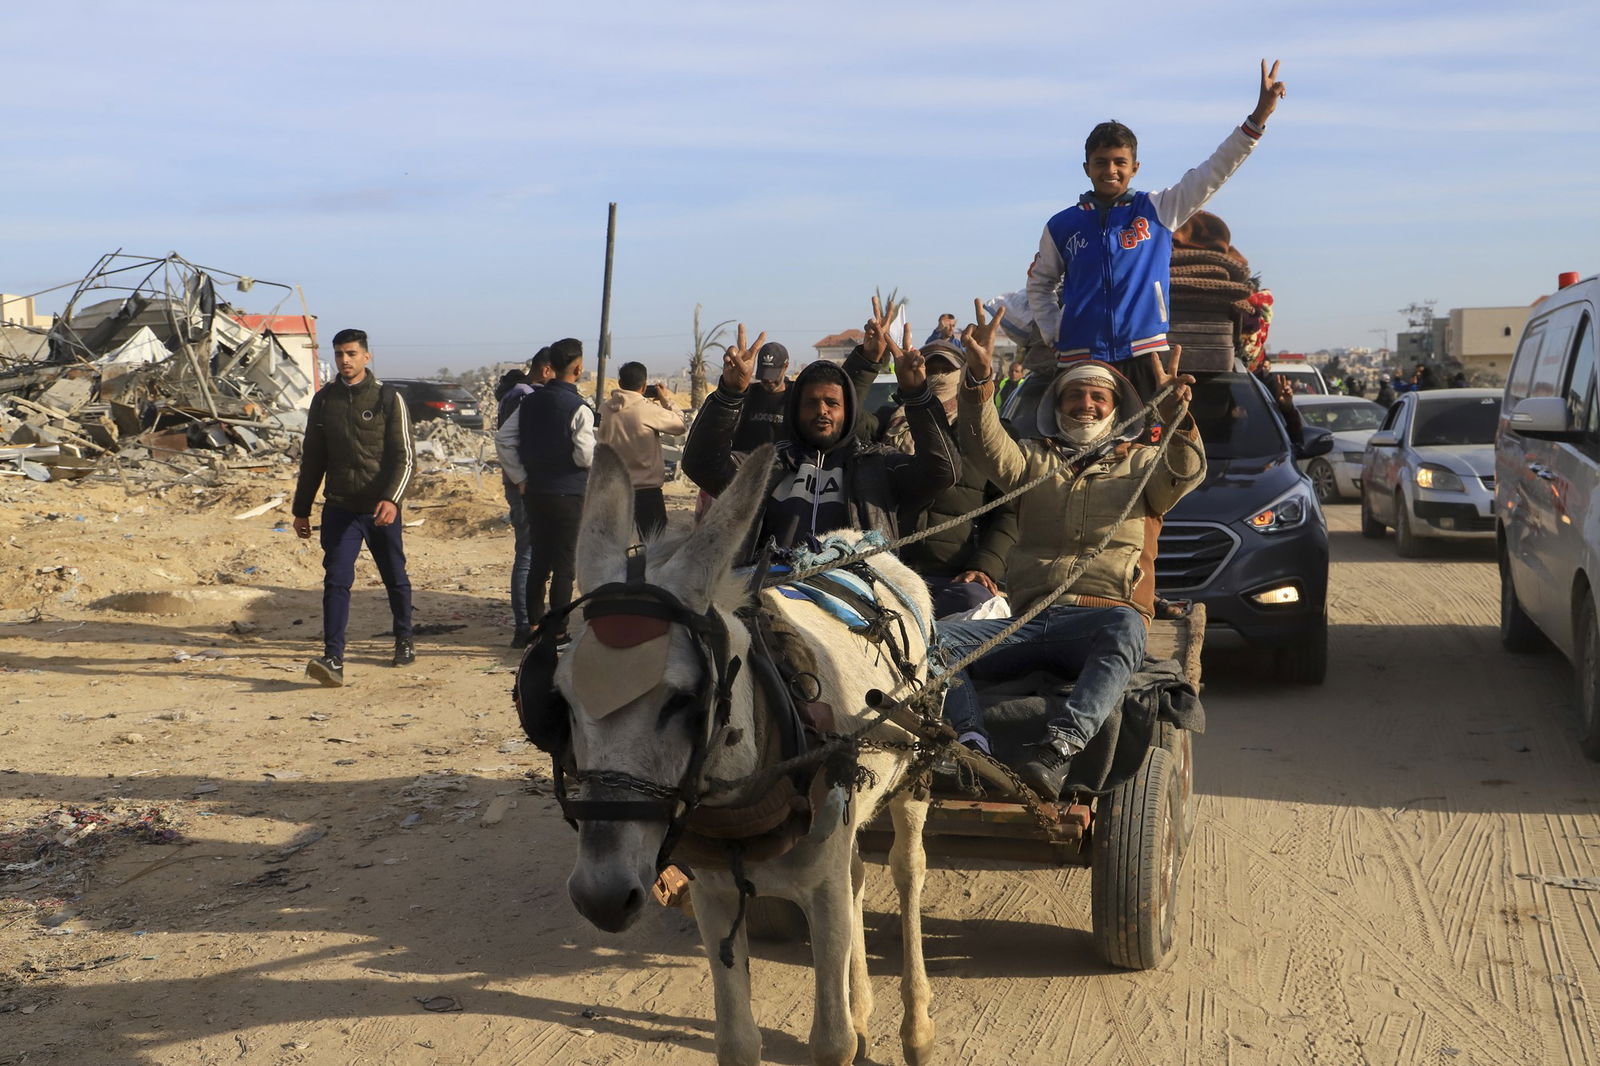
[
  {"x": 1095, "y": 631},
  {"x": 632, "y": 422}
]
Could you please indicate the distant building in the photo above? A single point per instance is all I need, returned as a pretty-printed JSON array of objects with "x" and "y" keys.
[
  {"x": 298, "y": 336},
  {"x": 20, "y": 311},
  {"x": 835, "y": 346},
  {"x": 1483, "y": 338},
  {"x": 1414, "y": 346}
]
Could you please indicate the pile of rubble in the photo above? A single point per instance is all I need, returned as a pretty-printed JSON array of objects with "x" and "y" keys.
[
  {"x": 165, "y": 380},
  {"x": 442, "y": 440}
]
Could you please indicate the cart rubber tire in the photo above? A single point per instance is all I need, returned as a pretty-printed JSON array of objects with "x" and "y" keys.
[
  {"x": 1371, "y": 528},
  {"x": 776, "y": 920},
  {"x": 1518, "y": 632},
  {"x": 1406, "y": 541},
  {"x": 1586, "y": 676},
  {"x": 1135, "y": 865},
  {"x": 1323, "y": 481}
]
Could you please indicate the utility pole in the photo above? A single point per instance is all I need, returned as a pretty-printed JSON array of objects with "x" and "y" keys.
[{"x": 605, "y": 309}]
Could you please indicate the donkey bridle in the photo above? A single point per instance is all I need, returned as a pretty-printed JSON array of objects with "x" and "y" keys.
[{"x": 711, "y": 706}]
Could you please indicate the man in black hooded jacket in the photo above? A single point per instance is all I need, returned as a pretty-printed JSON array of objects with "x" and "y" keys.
[{"x": 824, "y": 477}]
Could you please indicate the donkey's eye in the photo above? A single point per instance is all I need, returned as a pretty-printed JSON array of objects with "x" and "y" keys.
[{"x": 678, "y": 701}]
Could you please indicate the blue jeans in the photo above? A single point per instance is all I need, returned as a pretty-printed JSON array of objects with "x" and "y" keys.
[
  {"x": 343, "y": 533},
  {"x": 523, "y": 559},
  {"x": 1098, "y": 648}
]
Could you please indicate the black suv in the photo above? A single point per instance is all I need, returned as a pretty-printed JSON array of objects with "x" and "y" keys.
[
  {"x": 438, "y": 399},
  {"x": 1251, "y": 542}
]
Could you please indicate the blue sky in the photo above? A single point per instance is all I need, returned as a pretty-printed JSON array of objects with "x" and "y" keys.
[{"x": 438, "y": 174}]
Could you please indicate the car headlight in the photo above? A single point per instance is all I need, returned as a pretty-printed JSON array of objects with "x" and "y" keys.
[
  {"x": 1289, "y": 511},
  {"x": 1353, "y": 457},
  {"x": 1430, "y": 476}
]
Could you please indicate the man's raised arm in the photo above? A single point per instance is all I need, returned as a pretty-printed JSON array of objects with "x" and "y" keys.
[
  {"x": 1177, "y": 204},
  {"x": 707, "y": 459}
]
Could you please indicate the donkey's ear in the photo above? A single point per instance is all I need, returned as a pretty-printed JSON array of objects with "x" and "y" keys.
[
  {"x": 606, "y": 529},
  {"x": 710, "y": 550}
]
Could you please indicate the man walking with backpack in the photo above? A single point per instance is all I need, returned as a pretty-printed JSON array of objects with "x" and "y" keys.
[{"x": 358, "y": 438}]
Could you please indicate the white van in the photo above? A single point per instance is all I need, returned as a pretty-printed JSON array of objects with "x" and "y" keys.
[
  {"x": 1304, "y": 378},
  {"x": 1547, "y": 493}
]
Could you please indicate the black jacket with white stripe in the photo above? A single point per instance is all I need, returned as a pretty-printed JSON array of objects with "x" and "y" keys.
[{"x": 358, "y": 437}]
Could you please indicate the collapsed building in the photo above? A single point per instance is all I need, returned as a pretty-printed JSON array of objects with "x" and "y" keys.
[{"x": 148, "y": 358}]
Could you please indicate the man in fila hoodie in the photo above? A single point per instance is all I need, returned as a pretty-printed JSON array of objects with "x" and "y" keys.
[
  {"x": 1098, "y": 287},
  {"x": 824, "y": 477}
]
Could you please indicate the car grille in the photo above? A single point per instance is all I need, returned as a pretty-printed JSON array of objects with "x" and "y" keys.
[
  {"x": 1191, "y": 553},
  {"x": 1488, "y": 481}
]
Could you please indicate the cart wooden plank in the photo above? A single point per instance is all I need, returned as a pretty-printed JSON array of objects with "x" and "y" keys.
[{"x": 1000, "y": 829}]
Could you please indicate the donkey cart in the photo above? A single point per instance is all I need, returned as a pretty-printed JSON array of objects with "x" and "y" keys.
[{"x": 1132, "y": 835}]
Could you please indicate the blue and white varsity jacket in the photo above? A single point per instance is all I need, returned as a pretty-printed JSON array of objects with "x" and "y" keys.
[{"x": 1098, "y": 287}]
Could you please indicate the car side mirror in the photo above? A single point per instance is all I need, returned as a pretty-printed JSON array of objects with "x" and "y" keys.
[
  {"x": 1384, "y": 438},
  {"x": 1543, "y": 418},
  {"x": 1314, "y": 441}
]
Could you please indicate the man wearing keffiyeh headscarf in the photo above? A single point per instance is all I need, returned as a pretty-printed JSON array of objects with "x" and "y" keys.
[{"x": 1095, "y": 632}]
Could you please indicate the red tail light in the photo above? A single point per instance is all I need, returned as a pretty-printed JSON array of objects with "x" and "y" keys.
[{"x": 439, "y": 405}]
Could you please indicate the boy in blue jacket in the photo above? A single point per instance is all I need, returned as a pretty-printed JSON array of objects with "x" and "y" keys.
[{"x": 1098, "y": 287}]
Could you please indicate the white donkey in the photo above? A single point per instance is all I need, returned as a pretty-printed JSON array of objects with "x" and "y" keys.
[{"x": 633, "y": 744}]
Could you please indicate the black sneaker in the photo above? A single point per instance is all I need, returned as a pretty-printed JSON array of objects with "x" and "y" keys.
[
  {"x": 1046, "y": 769},
  {"x": 405, "y": 653},
  {"x": 326, "y": 670},
  {"x": 522, "y": 638}
]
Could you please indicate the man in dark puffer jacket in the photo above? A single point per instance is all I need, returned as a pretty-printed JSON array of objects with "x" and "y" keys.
[
  {"x": 358, "y": 437},
  {"x": 966, "y": 565}
]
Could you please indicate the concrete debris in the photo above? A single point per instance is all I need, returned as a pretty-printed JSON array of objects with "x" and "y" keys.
[
  {"x": 166, "y": 383},
  {"x": 165, "y": 369}
]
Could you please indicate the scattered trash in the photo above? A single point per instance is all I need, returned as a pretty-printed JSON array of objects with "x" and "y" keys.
[
  {"x": 203, "y": 655},
  {"x": 497, "y": 810},
  {"x": 298, "y": 844},
  {"x": 256, "y": 512},
  {"x": 439, "y": 1004},
  {"x": 410, "y": 820},
  {"x": 57, "y": 848}
]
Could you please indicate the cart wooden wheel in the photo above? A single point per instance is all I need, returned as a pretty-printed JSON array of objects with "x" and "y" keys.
[
  {"x": 1180, "y": 743},
  {"x": 1135, "y": 862}
]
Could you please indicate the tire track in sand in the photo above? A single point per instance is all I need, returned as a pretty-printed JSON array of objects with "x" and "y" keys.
[{"x": 1448, "y": 998}]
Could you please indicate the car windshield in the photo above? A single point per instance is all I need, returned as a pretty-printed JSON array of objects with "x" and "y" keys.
[
  {"x": 879, "y": 393},
  {"x": 1302, "y": 379},
  {"x": 457, "y": 394},
  {"x": 1234, "y": 418},
  {"x": 1463, "y": 420},
  {"x": 1342, "y": 417}
]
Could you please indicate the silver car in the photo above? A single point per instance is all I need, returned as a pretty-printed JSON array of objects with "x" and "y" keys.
[
  {"x": 1429, "y": 469},
  {"x": 1337, "y": 475}
]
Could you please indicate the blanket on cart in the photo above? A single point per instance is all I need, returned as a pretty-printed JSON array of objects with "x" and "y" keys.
[{"x": 1016, "y": 711}]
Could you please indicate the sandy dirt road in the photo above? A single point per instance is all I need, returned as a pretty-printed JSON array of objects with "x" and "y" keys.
[{"x": 1354, "y": 892}]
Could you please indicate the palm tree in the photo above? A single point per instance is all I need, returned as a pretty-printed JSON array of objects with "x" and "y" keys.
[{"x": 704, "y": 341}]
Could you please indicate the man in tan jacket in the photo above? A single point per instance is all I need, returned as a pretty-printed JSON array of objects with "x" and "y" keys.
[
  {"x": 1094, "y": 632},
  {"x": 632, "y": 422}
]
